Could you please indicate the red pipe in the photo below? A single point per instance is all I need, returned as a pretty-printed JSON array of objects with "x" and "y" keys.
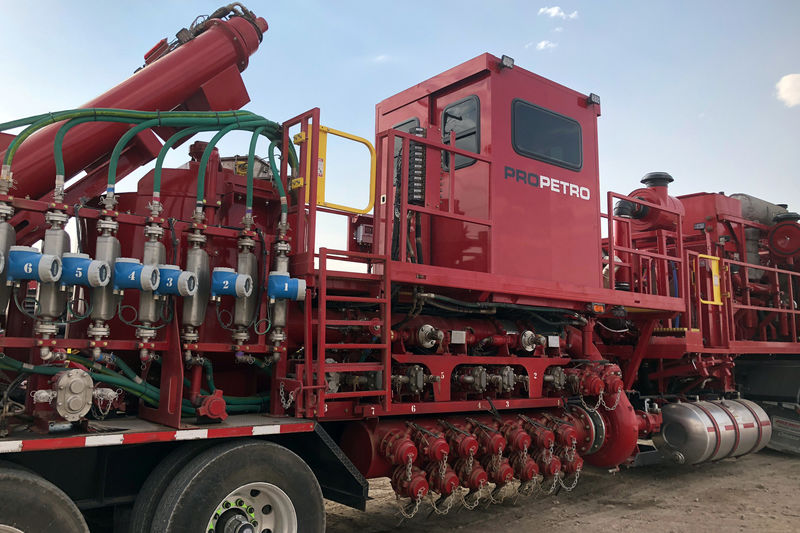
[{"x": 167, "y": 83}]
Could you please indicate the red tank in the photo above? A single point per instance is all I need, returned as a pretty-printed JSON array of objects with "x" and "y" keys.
[{"x": 202, "y": 74}]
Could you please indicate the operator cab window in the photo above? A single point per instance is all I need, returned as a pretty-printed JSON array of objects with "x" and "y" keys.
[
  {"x": 462, "y": 117},
  {"x": 406, "y": 126},
  {"x": 544, "y": 135}
]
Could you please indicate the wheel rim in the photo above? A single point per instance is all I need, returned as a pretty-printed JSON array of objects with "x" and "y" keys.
[
  {"x": 9, "y": 529},
  {"x": 252, "y": 508}
]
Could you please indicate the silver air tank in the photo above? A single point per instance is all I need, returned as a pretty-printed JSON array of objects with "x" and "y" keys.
[
  {"x": 104, "y": 302},
  {"x": 8, "y": 237},
  {"x": 696, "y": 432},
  {"x": 194, "y": 307},
  {"x": 52, "y": 299},
  {"x": 245, "y": 307},
  {"x": 149, "y": 305}
]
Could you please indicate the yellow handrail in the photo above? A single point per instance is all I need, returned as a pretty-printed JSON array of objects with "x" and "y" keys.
[
  {"x": 717, "y": 291},
  {"x": 320, "y": 171}
]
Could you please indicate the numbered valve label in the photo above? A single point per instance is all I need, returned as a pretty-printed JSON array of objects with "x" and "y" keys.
[
  {"x": 27, "y": 264},
  {"x": 226, "y": 282},
  {"x": 129, "y": 273},
  {"x": 80, "y": 269},
  {"x": 282, "y": 287},
  {"x": 175, "y": 281}
]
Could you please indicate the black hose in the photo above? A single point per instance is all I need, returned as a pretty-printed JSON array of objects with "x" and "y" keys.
[{"x": 536, "y": 311}]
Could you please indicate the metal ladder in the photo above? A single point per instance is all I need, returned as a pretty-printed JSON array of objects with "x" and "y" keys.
[{"x": 382, "y": 348}]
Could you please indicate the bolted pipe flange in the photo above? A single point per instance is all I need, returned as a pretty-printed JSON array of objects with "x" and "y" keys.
[
  {"x": 153, "y": 231},
  {"x": 6, "y": 211},
  {"x": 240, "y": 336},
  {"x": 56, "y": 218},
  {"x": 197, "y": 238},
  {"x": 107, "y": 224}
]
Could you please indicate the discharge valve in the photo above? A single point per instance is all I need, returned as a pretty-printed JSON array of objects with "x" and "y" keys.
[{"x": 26, "y": 264}]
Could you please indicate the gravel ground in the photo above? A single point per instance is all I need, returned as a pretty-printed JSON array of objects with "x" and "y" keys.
[{"x": 754, "y": 493}]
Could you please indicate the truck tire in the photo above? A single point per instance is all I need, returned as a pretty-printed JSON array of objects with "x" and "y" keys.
[
  {"x": 31, "y": 504},
  {"x": 156, "y": 483},
  {"x": 248, "y": 486}
]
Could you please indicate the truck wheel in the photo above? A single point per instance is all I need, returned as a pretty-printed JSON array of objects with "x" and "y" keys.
[
  {"x": 156, "y": 483},
  {"x": 31, "y": 504},
  {"x": 243, "y": 487}
]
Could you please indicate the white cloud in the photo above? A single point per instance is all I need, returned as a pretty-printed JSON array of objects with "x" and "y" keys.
[
  {"x": 381, "y": 58},
  {"x": 545, "y": 45},
  {"x": 789, "y": 90},
  {"x": 557, "y": 12},
  {"x": 559, "y": 29}
]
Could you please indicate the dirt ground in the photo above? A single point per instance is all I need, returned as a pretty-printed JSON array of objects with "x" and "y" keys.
[{"x": 759, "y": 492}]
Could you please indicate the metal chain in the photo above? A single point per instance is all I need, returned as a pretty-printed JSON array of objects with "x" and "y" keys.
[
  {"x": 528, "y": 488},
  {"x": 548, "y": 458},
  {"x": 556, "y": 480},
  {"x": 508, "y": 490},
  {"x": 616, "y": 403},
  {"x": 414, "y": 507},
  {"x": 470, "y": 461},
  {"x": 569, "y": 453},
  {"x": 409, "y": 465},
  {"x": 443, "y": 467},
  {"x": 587, "y": 406},
  {"x": 448, "y": 503},
  {"x": 571, "y": 486},
  {"x": 477, "y": 498},
  {"x": 286, "y": 403}
]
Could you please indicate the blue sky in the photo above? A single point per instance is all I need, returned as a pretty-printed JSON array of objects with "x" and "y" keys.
[{"x": 687, "y": 87}]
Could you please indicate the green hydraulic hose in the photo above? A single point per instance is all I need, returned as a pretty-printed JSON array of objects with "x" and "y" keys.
[
  {"x": 162, "y": 154},
  {"x": 124, "y": 383},
  {"x": 51, "y": 118},
  {"x": 27, "y": 121},
  {"x": 232, "y": 400},
  {"x": 243, "y": 125},
  {"x": 131, "y": 133},
  {"x": 251, "y": 161},
  {"x": 209, "y": 368},
  {"x": 148, "y": 393},
  {"x": 278, "y": 182},
  {"x": 126, "y": 370}
]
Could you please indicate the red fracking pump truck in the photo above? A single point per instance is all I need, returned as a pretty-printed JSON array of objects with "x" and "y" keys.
[{"x": 488, "y": 333}]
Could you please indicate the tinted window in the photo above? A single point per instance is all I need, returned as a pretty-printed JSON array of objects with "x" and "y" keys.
[
  {"x": 462, "y": 117},
  {"x": 545, "y": 135},
  {"x": 405, "y": 126}
]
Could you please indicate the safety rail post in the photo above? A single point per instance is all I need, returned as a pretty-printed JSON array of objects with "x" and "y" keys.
[
  {"x": 637, "y": 258},
  {"x": 386, "y": 334},
  {"x": 308, "y": 349},
  {"x": 388, "y": 201},
  {"x": 403, "y": 220},
  {"x": 306, "y": 223},
  {"x": 311, "y": 181},
  {"x": 322, "y": 307}
]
